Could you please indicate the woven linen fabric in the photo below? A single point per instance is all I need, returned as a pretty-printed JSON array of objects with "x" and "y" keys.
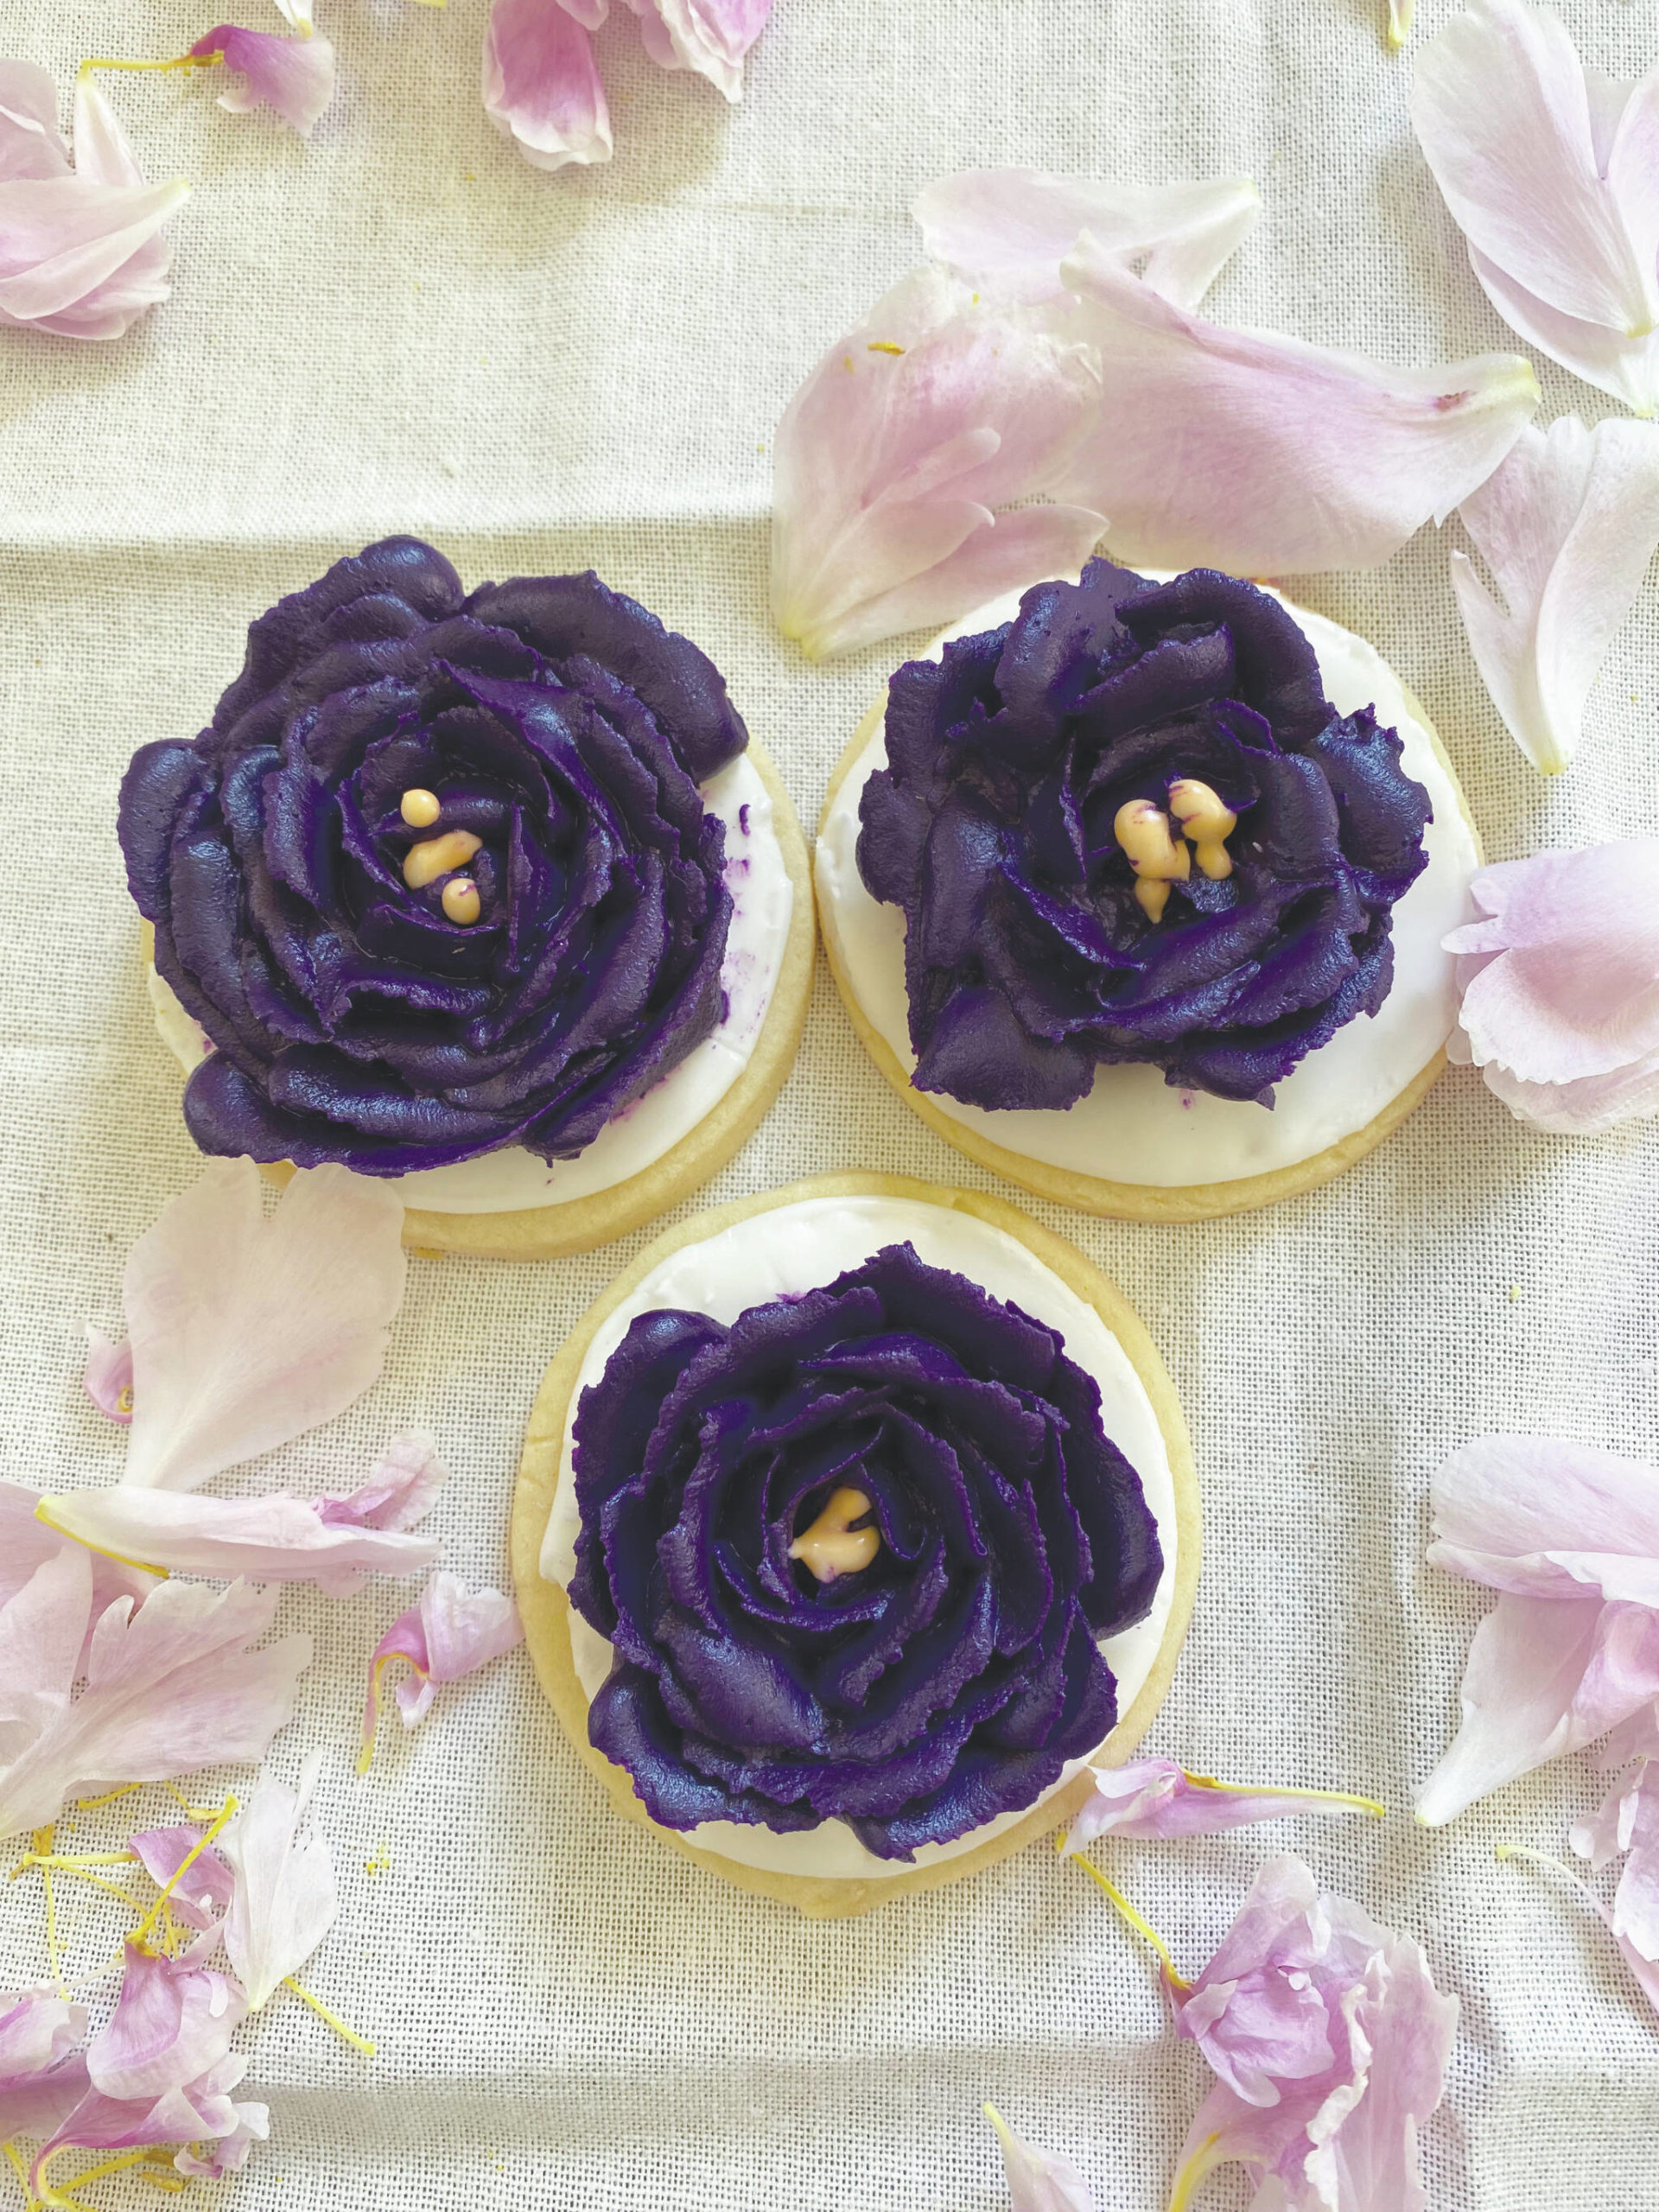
[{"x": 402, "y": 327}]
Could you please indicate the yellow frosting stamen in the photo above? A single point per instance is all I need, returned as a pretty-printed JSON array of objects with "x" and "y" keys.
[
  {"x": 460, "y": 900},
  {"x": 1157, "y": 855},
  {"x": 1206, "y": 822},
  {"x": 831, "y": 1546},
  {"x": 420, "y": 808},
  {"x": 434, "y": 856}
]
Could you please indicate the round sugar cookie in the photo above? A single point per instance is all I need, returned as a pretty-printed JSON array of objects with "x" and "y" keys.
[
  {"x": 829, "y": 1216},
  {"x": 599, "y": 1215},
  {"x": 1191, "y": 1156}
]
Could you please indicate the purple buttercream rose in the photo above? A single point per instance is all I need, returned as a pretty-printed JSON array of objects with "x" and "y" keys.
[
  {"x": 1129, "y": 826},
  {"x": 438, "y": 878},
  {"x": 929, "y": 1662}
]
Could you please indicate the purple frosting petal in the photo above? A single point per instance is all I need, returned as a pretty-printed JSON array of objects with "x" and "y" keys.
[
  {"x": 554, "y": 720},
  {"x": 1028, "y": 960},
  {"x": 946, "y": 1681}
]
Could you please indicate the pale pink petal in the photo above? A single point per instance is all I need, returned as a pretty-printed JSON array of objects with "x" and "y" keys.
[
  {"x": 710, "y": 36},
  {"x": 1635, "y": 1738},
  {"x": 1550, "y": 180},
  {"x": 293, "y": 76},
  {"x": 202, "y": 1898},
  {"x": 169, "y": 1688},
  {"x": 1259, "y": 453},
  {"x": 1560, "y": 985},
  {"x": 247, "y": 1330},
  {"x": 1547, "y": 1518},
  {"x": 1012, "y": 228},
  {"x": 103, "y": 152},
  {"x": 1567, "y": 526},
  {"x": 1153, "y": 1800},
  {"x": 199, "y": 2112},
  {"x": 1544, "y": 1677},
  {"x": 1627, "y": 367},
  {"x": 171, "y": 2025},
  {"x": 80, "y": 259},
  {"x": 541, "y": 85},
  {"x": 1636, "y": 1904},
  {"x": 42, "y": 2071},
  {"x": 1039, "y": 2181},
  {"x": 26, "y": 1543},
  {"x": 31, "y": 144},
  {"x": 227, "y": 2154},
  {"x": 297, "y": 15},
  {"x": 402, "y": 1488},
  {"x": 108, "y": 1379},
  {"x": 892, "y": 457},
  {"x": 284, "y": 1900},
  {"x": 452, "y": 1631},
  {"x": 37, "y": 2104}
]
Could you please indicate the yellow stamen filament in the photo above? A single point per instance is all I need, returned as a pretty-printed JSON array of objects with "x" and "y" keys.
[
  {"x": 149, "y": 1919},
  {"x": 1142, "y": 1927},
  {"x": 41, "y": 1847},
  {"x": 21, "y": 2171},
  {"x": 883, "y": 346},
  {"x": 365, "y": 1756},
  {"x": 186, "y": 61},
  {"x": 81, "y": 1868},
  {"x": 91, "y": 1804},
  {"x": 831, "y": 1546},
  {"x": 420, "y": 808},
  {"x": 326, "y": 2012},
  {"x": 51, "y": 2194},
  {"x": 1277, "y": 1790},
  {"x": 460, "y": 900},
  {"x": 1195, "y": 2173},
  {"x": 1206, "y": 822},
  {"x": 434, "y": 856},
  {"x": 143, "y": 1566},
  {"x": 124, "y": 1399},
  {"x": 195, "y": 1812},
  {"x": 1158, "y": 857}
]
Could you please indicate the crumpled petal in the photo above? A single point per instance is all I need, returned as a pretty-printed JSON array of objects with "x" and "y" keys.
[
  {"x": 228, "y": 2153},
  {"x": 1245, "y": 451},
  {"x": 1566, "y": 525},
  {"x": 1329, "y": 2043},
  {"x": 1011, "y": 229},
  {"x": 452, "y": 1631},
  {"x": 1628, "y": 1824},
  {"x": 199, "y": 2113},
  {"x": 294, "y": 76},
  {"x": 1560, "y": 983},
  {"x": 279, "y": 1538},
  {"x": 81, "y": 254},
  {"x": 202, "y": 1899},
  {"x": 246, "y": 1331},
  {"x": 1039, "y": 2181},
  {"x": 1153, "y": 1800},
  {"x": 283, "y": 1899},
  {"x": 1552, "y": 173},
  {"x": 168, "y": 1688},
  {"x": 710, "y": 36},
  {"x": 43, "y": 2069},
  {"x": 108, "y": 1379},
  {"x": 893, "y": 456},
  {"x": 541, "y": 85},
  {"x": 172, "y": 2024}
]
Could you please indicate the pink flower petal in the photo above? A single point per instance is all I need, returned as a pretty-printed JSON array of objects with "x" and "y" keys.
[
  {"x": 402, "y": 1488},
  {"x": 1154, "y": 1800},
  {"x": 1544, "y": 1677},
  {"x": 202, "y": 1900},
  {"x": 168, "y": 1688},
  {"x": 294, "y": 76},
  {"x": 1547, "y": 1518},
  {"x": 42, "y": 2070},
  {"x": 1567, "y": 526},
  {"x": 227, "y": 2154},
  {"x": 108, "y": 1379},
  {"x": 1258, "y": 453},
  {"x": 31, "y": 144},
  {"x": 1628, "y": 367},
  {"x": 541, "y": 85},
  {"x": 451, "y": 1632},
  {"x": 710, "y": 36},
  {"x": 1012, "y": 228},
  {"x": 1560, "y": 986},
  {"x": 172, "y": 2024},
  {"x": 1039, "y": 2181},
  {"x": 892, "y": 457},
  {"x": 39, "y": 2103},
  {"x": 1330, "y": 2041},
  {"x": 200, "y": 2112},
  {"x": 1551, "y": 176},
  {"x": 248, "y": 1331},
  {"x": 283, "y": 1902},
  {"x": 26, "y": 1543}
]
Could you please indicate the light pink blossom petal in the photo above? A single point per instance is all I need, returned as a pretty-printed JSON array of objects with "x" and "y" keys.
[
  {"x": 1560, "y": 986},
  {"x": 36, "y": 2104},
  {"x": 31, "y": 144},
  {"x": 1153, "y": 1800},
  {"x": 293, "y": 76},
  {"x": 1627, "y": 367},
  {"x": 1552, "y": 174},
  {"x": 1544, "y": 1677},
  {"x": 172, "y": 2024},
  {"x": 227, "y": 2154},
  {"x": 1039, "y": 2181},
  {"x": 283, "y": 1901},
  {"x": 248, "y": 1331},
  {"x": 893, "y": 456},
  {"x": 541, "y": 85},
  {"x": 26, "y": 1543},
  {"x": 1547, "y": 1518},
  {"x": 401, "y": 1487},
  {"x": 200, "y": 2112},
  {"x": 42, "y": 2070},
  {"x": 451, "y": 1632},
  {"x": 1259, "y": 453},
  {"x": 168, "y": 1688},
  {"x": 1011, "y": 229},
  {"x": 108, "y": 1378},
  {"x": 710, "y": 36},
  {"x": 1635, "y": 1738},
  {"x": 297, "y": 15},
  {"x": 1566, "y": 525},
  {"x": 205, "y": 1893}
]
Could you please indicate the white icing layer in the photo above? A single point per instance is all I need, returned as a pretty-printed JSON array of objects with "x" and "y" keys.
[
  {"x": 798, "y": 1247},
  {"x": 1133, "y": 1126},
  {"x": 512, "y": 1179}
]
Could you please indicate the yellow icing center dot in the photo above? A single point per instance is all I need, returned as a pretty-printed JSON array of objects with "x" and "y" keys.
[
  {"x": 420, "y": 808},
  {"x": 461, "y": 901},
  {"x": 831, "y": 1546}
]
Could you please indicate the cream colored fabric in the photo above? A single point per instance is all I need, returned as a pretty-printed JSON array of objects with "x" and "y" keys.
[{"x": 403, "y": 327}]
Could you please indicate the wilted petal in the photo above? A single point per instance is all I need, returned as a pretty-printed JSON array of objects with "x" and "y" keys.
[
  {"x": 294, "y": 76},
  {"x": 892, "y": 458},
  {"x": 1039, "y": 2181},
  {"x": 42, "y": 2071},
  {"x": 1551, "y": 176},
  {"x": 541, "y": 84},
  {"x": 172, "y": 2024},
  {"x": 227, "y": 2154},
  {"x": 202, "y": 1900},
  {"x": 284, "y": 1900},
  {"x": 168, "y": 1688},
  {"x": 1545, "y": 1675},
  {"x": 401, "y": 1487},
  {"x": 1566, "y": 525},
  {"x": 199, "y": 2113},
  {"x": 1547, "y": 1518},
  {"x": 1635, "y": 1738},
  {"x": 711, "y": 37},
  {"x": 1154, "y": 1800},
  {"x": 1560, "y": 986},
  {"x": 246, "y": 1331},
  {"x": 1257, "y": 453},
  {"x": 31, "y": 144},
  {"x": 108, "y": 1378},
  {"x": 452, "y": 1631},
  {"x": 1012, "y": 228}
]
